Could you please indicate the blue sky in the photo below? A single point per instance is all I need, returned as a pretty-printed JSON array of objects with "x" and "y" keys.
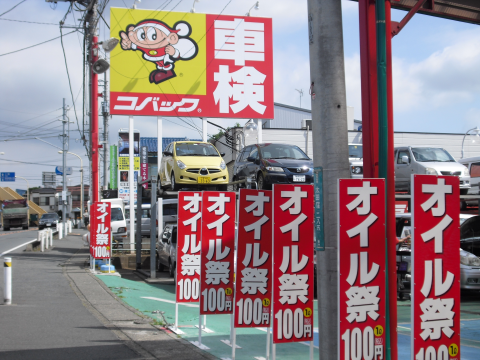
[{"x": 436, "y": 66}]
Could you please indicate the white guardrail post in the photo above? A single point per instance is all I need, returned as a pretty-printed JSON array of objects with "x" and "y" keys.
[
  {"x": 50, "y": 233},
  {"x": 45, "y": 237},
  {"x": 7, "y": 289}
]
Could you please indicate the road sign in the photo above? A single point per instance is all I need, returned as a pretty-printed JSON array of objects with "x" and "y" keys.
[
  {"x": 7, "y": 176},
  {"x": 253, "y": 290},
  {"x": 188, "y": 246},
  {"x": 59, "y": 170},
  {"x": 293, "y": 257},
  {"x": 436, "y": 267},
  {"x": 361, "y": 275},
  {"x": 100, "y": 230},
  {"x": 218, "y": 248}
]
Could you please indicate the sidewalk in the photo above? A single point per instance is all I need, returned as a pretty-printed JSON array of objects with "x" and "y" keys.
[{"x": 62, "y": 311}]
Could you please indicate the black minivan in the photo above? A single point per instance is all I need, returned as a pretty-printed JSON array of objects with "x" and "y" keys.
[{"x": 273, "y": 164}]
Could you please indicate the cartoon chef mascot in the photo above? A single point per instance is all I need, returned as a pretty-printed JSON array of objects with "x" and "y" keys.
[{"x": 161, "y": 45}]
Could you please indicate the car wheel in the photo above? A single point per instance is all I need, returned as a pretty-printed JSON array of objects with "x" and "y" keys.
[
  {"x": 261, "y": 185},
  {"x": 171, "y": 268},
  {"x": 463, "y": 191},
  {"x": 160, "y": 267},
  {"x": 25, "y": 227},
  {"x": 173, "y": 184},
  {"x": 463, "y": 205}
]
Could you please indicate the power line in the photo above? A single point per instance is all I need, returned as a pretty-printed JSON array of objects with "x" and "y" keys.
[
  {"x": 29, "y": 47},
  {"x": 12, "y": 8},
  {"x": 31, "y": 22},
  {"x": 32, "y": 163}
]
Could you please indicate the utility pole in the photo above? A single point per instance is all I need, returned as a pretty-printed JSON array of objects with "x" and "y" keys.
[
  {"x": 105, "y": 113},
  {"x": 64, "y": 165},
  {"x": 330, "y": 151}
]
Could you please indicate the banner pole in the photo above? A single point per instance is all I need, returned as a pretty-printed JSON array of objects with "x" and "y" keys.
[
  {"x": 268, "y": 343},
  {"x": 233, "y": 343},
  {"x": 311, "y": 350},
  {"x": 176, "y": 314},
  {"x": 274, "y": 355},
  {"x": 204, "y": 322},
  {"x": 200, "y": 331}
]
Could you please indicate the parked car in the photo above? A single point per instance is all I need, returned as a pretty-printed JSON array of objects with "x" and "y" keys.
[
  {"x": 469, "y": 251},
  {"x": 427, "y": 160},
  {"x": 355, "y": 158},
  {"x": 192, "y": 164},
  {"x": 166, "y": 249},
  {"x": 48, "y": 220},
  {"x": 273, "y": 164}
]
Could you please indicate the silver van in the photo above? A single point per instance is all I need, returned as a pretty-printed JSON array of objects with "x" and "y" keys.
[
  {"x": 427, "y": 160},
  {"x": 473, "y": 166},
  {"x": 169, "y": 215}
]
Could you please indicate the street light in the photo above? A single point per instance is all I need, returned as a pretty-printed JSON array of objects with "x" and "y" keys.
[
  {"x": 81, "y": 185},
  {"x": 256, "y": 6},
  {"x": 475, "y": 129},
  {"x": 192, "y": 10}
]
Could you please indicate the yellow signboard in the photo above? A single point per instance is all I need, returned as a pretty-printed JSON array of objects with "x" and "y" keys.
[{"x": 124, "y": 163}]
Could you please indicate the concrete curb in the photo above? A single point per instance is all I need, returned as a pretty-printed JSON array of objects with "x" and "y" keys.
[{"x": 129, "y": 325}]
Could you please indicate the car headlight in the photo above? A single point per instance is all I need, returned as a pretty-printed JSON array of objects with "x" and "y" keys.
[
  {"x": 357, "y": 170},
  {"x": 274, "y": 168},
  {"x": 466, "y": 172},
  {"x": 430, "y": 171},
  {"x": 469, "y": 259},
  {"x": 121, "y": 230},
  {"x": 181, "y": 165},
  {"x": 223, "y": 166}
]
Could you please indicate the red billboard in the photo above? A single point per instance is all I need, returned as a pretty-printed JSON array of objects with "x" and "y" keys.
[
  {"x": 188, "y": 246},
  {"x": 217, "y": 254},
  {"x": 203, "y": 65},
  {"x": 361, "y": 275},
  {"x": 293, "y": 278},
  {"x": 436, "y": 267},
  {"x": 100, "y": 230},
  {"x": 253, "y": 290}
]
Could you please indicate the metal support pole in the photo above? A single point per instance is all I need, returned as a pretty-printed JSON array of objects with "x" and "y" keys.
[
  {"x": 94, "y": 122},
  {"x": 131, "y": 181},
  {"x": 330, "y": 151},
  {"x": 64, "y": 164},
  {"x": 138, "y": 233},
  {"x": 153, "y": 229},
  {"x": 7, "y": 285},
  {"x": 204, "y": 129},
  {"x": 259, "y": 131},
  {"x": 105, "y": 131},
  {"x": 159, "y": 146}
]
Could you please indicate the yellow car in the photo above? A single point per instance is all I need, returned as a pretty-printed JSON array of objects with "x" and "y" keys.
[{"x": 192, "y": 164}]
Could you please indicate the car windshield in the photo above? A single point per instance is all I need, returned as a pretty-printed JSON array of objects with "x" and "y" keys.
[
  {"x": 49, "y": 216},
  {"x": 432, "y": 154},
  {"x": 355, "y": 151},
  {"x": 195, "y": 149},
  {"x": 279, "y": 151},
  {"x": 117, "y": 214}
]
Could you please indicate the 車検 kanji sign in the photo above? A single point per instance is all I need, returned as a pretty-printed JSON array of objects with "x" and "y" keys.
[
  {"x": 253, "y": 290},
  {"x": 361, "y": 276},
  {"x": 188, "y": 246},
  {"x": 436, "y": 267},
  {"x": 293, "y": 286},
  {"x": 217, "y": 253},
  {"x": 100, "y": 230},
  {"x": 188, "y": 64}
]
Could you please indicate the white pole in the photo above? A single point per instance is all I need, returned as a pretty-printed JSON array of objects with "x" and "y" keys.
[
  {"x": 234, "y": 342},
  {"x": 204, "y": 129},
  {"x": 204, "y": 321},
  {"x": 7, "y": 290},
  {"x": 268, "y": 342},
  {"x": 200, "y": 330},
  {"x": 259, "y": 131},
  {"x": 176, "y": 313},
  {"x": 45, "y": 236},
  {"x": 159, "y": 151},
  {"x": 51, "y": 237},
  {"x": 131, "y": 182},
  {"x": 274, "y": 352},
  {"x": 311, "y": 350}
]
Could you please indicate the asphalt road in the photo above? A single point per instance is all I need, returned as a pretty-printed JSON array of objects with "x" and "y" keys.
[
  {"x": 47, "y": 319},
  {"x": 15, "y": 237}
]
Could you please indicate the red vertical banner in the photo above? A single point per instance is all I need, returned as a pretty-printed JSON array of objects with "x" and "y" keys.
[
  {"x": 217, "y": 254},
  {"x": 100, "y": 230},
  {"x": 293, "y": 279},
  {"x": 188, "y": 246},
  {"x": 361, "y": 276},
  {"x": 436, "y": 267},
  {"x": 253, "y": 291}
]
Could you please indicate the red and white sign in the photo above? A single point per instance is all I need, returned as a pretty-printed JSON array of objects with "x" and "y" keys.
[
  {"x": 253, "y": 290},
  {"x": 361, "y": 276},
  {"x": 188, "y": 246},
  {"x": 293, "y": 279},
  {"x": 436, "y": 267},
  {"x": 100, "y": 230},
  {"x": 218, "y": 250}
]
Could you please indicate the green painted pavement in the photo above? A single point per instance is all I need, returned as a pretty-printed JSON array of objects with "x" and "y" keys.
[{"x": 141, "y": 296}]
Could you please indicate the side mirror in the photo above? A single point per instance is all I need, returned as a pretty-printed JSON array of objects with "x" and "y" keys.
[
  {"x": 222, "y": 154},
  {"x": 405, "y": 159},
  {"x": 250, "y": 159},
  {"x": 167, "y": 153}
]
